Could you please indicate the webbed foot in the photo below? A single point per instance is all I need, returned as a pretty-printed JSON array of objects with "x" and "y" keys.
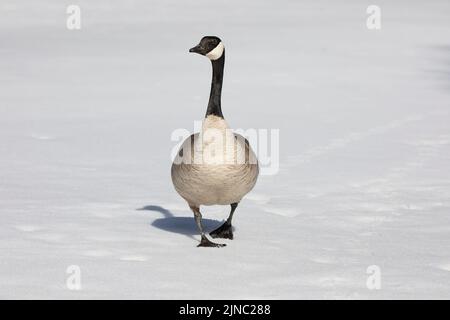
[
  {"x": 225, "y": 231},
  {"x": 205, "y": 242}
]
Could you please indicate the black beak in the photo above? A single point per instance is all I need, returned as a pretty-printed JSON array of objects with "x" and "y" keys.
[{"x": 196, "y": 49}]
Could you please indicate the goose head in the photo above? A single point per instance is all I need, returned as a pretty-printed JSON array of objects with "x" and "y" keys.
[{"x": 210, "y": 46}]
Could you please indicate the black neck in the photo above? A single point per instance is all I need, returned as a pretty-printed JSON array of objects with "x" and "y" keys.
[{"x": 214, "y": 107}]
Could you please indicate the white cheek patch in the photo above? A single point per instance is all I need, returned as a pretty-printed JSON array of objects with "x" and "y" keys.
[{"x": 216, "y": 53}]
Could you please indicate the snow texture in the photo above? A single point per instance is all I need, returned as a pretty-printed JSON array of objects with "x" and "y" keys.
[{"x": 86, "y": 118}]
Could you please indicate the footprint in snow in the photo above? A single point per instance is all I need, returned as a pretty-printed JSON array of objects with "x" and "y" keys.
[
  {"x": 41, "y": 137},
  {"x": 444, "y": 266},
  {"x": 49, "y": 237},
  {"x": 97, "y": 253},
  {"x": 260, "y": 199},
  {"x": 284, "y": 212},
  {"x": 134, "y": 258},
  {"x": 28, "y": 228}
]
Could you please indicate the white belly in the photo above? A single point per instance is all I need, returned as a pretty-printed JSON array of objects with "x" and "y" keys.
[
  {"x": 209, "y": 185},
  {"x": 210, "y": 171}
]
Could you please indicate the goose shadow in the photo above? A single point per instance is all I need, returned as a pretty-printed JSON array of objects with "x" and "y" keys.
[{"x": 182, "y": 225}]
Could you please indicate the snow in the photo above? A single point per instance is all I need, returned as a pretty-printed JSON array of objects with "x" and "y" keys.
[{"x": 85, "y": 127}]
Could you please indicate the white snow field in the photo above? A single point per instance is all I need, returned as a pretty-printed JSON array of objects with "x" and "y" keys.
[{"x": 86, "y": 118}]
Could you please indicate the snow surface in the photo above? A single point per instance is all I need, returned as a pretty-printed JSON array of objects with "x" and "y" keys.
[{"x": 85, "y": 124}]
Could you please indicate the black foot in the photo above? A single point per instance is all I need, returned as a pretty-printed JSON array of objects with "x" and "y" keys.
[
  {"x": 224, "y": 231},
  {"x": 205, "y": 242}
]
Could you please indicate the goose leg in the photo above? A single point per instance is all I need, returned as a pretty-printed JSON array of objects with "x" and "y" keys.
[
  {"x": 204, "y": 242},
  {"x": 225, "y": 230}
]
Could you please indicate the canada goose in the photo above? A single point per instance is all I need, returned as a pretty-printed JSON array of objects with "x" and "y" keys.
[{"x": 215, "y": 166}]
